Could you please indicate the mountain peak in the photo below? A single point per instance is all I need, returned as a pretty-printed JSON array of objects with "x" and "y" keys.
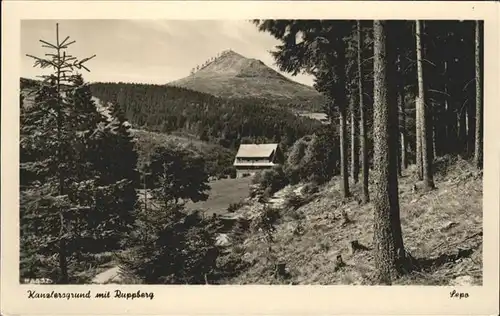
[
  {"x": 231, "y": 63},
  {"x": 230, "y": 54},
  {"x": 232, "y": 75}
]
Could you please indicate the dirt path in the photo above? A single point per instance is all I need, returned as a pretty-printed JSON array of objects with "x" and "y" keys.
[{"x": 111, "y": 275}]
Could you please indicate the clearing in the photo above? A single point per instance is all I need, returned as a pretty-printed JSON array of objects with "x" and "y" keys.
[{"x": 223, "y": 193}]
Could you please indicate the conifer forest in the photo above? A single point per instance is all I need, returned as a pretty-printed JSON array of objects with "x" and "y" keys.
[{"x": 137, "y": 183}]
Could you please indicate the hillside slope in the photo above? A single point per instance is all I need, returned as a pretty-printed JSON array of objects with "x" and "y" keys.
[
  {"x": 442, "y": 231},
  {"x": 234, "y": 76},
  {"x": 163, "y": 108},
  {"x": 218, "y": 159}
]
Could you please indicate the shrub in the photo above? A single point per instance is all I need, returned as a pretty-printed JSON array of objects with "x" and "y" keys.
[
  {"x": 312, "y": 158},
  {"x": 294, "y": 201},
  {"x": 232, "y": 173},
  {"x": 266, "y": 220},
  {"x": 310, "y": 188},
  {"x": 257, "y": 178},
  {"x": 271, "y": 180},
  {"x": 229, "y": 265},
  {"x": 173, "y": 246},
  {"x": 240, "y": 229},
  {"x": 235, "y": 206},
  {"x": 255, "y": 191}
]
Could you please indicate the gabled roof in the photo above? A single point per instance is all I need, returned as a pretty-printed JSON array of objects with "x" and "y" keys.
[{"x": 256, "y": 150}]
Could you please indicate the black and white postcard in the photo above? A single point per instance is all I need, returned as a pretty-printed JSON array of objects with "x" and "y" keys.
[{"x": 250, "y": 158}]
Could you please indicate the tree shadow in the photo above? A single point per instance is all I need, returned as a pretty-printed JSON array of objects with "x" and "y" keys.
[{"x": 429, "y": 264}]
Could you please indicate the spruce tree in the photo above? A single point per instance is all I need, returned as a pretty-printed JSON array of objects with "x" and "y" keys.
[
  {"x": 323, "y": 54},
  {"x": 67, "y": 197},
  {"x": 178, "y": 175},
  {"x": 47, "y": 133},
  {"x": 172, "y": 245},
  {"x": 112, "y": 158}
]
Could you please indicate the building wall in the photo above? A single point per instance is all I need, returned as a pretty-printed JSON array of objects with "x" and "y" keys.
[
  {"x": 240, "y": 172},
  {"x": 252, "y": 160}
]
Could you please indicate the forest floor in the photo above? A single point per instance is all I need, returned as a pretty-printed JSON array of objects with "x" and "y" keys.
[{"x": 442, "y": 230}]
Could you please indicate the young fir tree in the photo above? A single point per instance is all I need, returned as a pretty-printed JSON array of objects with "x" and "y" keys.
[
  {"x": 171, "y": 244},
  {"x": 66, "y": 203},
  {"x": 178, "y": 175},
  {"x": 114, "y": 160}
]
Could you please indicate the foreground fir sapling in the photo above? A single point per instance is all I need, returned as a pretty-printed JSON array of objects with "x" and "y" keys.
[{"x": 75, "y": 200}]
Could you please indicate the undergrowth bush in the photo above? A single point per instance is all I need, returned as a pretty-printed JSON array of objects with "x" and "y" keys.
[
  {"x": 240, "y": 230},
  {"x": 310, "y": 188},
  {"x": 271, "y": 180},
  {"x": 232, "y": 172},
  {"x": 173, "y": 246},
  {"x": 233, "y": 207},
  {"x": 312, "y": 158},
  {"x": 229, "y": 265},
  {"x": 294, "y": 201}
]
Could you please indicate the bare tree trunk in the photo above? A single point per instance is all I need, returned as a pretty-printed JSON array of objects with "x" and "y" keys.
[
  {"x": 145, "y": 192},
  {"x": 362, "y": 122},
  {"x": 434, "y": 132},
  {"x": 343, "y": 152},
  {"x": 478, "y": 153},
  {"x": 471, "y": 128},
  {"x": 423, "y": 119},
  {"x": 404, "y": 142},
  {"x": 446, "y": 115},
  {"x": 388, "y": 240},
  {"x": 462, "y": 129},
  {"x": 418, "y": 140},
  {"x": 354, "y": 140},
  {"x": 403, "y": 163},
  {"x": 343, "y": 120}
]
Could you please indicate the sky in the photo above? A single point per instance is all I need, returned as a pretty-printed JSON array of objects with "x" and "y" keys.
[{"x": 147, "y": 51}]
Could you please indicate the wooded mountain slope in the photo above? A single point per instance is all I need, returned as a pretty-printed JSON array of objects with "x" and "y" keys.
[{"x": 227, "y": 122}]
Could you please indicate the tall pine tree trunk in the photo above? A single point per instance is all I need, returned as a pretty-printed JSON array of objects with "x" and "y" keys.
[
  {"x": 362, "y": 121},
  {"x": 418, "y": 140},
  {"x": 452, "y": 113},
  {"x": 354, "y": 139},
  {"x": 478, "y": 152},
  {"x": 434, "y": 135},
  {"x": 344, "y": 173},
  {"x": 403, "y": 163},
  {"x": 388, "y": 240},
  {"x": 471, "y": 126},
  {"x": 343, "y": 152},
  {"x": 423, "y": 118},
  {"x": 446, "y": 115},
  {"x": 462, "y": 129}
]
